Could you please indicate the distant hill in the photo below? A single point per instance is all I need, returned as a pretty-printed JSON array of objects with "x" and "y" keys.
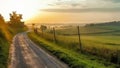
[{"x": 113, "y": 23}]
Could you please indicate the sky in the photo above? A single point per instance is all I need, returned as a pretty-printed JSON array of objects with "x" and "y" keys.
[{"x": 63, "y": 11}]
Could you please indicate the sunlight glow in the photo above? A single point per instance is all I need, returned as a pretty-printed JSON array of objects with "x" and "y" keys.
[{"x": 26, "y": 7}]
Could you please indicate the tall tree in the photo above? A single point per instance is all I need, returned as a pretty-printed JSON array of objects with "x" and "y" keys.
[{"x": 2, "y": 19}]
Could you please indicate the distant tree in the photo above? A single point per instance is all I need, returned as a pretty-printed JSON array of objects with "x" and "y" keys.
[
  {"x": 33, "y": 26},
  {"x": 16, "y": 20},
  {"x": 43, "y": 27}
]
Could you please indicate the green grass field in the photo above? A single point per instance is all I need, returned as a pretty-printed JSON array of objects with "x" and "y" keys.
[
  {"x": 69, "y": 56},
  {"x": 100, "y": 44},
  {"x": 99, "y": 41}
]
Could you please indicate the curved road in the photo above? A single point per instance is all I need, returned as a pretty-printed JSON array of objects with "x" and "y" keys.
[{"x": 26, "y": 54}]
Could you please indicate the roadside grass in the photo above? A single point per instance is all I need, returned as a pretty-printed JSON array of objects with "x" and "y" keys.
[
  {"x": 6, "y": 35},
  {"x": 4, "y": 52},
  {"x": 5, "y": 39},
  {"x": 69, "y": 56}
]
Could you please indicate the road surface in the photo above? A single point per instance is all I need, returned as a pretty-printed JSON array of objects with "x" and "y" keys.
[{"x": 26, "y": 54}]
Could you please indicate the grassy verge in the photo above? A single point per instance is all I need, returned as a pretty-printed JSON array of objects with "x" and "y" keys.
[
  {"x": 6, "y": 35},
  {"x": 4, "y": 52},
  {"x": 5, "y": 39},
  {"x": 70, "y": 57}
]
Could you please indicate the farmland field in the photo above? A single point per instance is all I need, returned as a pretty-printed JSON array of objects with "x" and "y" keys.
[{"x": 102, "y": 41}]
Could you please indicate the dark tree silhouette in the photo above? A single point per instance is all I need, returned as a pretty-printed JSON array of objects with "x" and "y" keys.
[
  {"x": 43, "y": 27},
  {"x": 15, "y": 20},
  {"x": 33, "y": 26}
]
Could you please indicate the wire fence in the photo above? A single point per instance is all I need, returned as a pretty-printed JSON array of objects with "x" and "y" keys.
[{"x": 85, "y": 40}]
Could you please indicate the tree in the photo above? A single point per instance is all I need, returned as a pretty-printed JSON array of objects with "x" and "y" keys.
[
  {"x": 16, "y": 20},
  {"x": 2, "y": 22},
  {"x": 2, "y": 19},
  {"x": 42, "y": 28},
  {"x": 34, "y": 28}
]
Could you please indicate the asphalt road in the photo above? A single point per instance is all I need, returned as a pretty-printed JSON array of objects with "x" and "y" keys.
[{"x": 26, "y": 54}]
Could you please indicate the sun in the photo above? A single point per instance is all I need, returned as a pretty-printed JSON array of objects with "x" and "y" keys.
[{"x": 28, "y": 8}]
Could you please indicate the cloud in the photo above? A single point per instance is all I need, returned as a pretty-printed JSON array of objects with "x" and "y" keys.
[
  {"x": 115, "y": 1},
  {"x": 67, "y": 3},
  {"x": 83, "y": 10},
  {"x": 85, "y": 6}
]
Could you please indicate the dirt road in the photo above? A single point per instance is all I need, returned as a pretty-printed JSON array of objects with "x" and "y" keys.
[{"x": 26, "y": 54}]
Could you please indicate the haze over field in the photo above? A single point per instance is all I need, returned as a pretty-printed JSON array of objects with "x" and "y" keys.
[{"x": 63, "y": 11}]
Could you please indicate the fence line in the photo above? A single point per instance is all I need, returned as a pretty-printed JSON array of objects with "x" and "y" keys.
[{"x": 80, "y": 45}]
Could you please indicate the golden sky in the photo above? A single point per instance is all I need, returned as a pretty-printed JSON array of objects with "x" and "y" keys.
[
  {"x": 62, "y": 11},
  {"x": 28, "y": 8}
]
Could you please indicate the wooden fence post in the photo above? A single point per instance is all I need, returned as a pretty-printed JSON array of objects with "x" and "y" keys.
[
  {"x": 54, "y": 35},
  {"x": 118, "y": 55},
  {"x": 80, "y": 45},
  {"x": 42, "y": 32}
]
